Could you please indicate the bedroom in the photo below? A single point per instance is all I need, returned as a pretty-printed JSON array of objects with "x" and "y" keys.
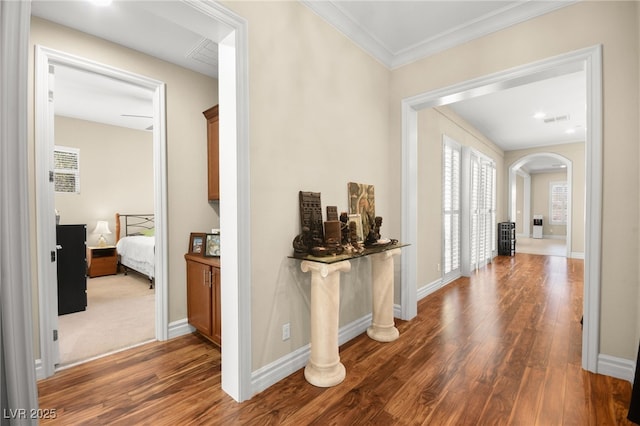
[
  {"x": 110, "y": 179},
  {"x": 115, "y": 301}
]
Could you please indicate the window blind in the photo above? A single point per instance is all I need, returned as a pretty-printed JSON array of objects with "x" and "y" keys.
[{"x": 66, "y": 175}]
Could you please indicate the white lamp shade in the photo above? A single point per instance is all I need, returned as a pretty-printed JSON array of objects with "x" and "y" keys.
[{"x": 102, "y": 228}]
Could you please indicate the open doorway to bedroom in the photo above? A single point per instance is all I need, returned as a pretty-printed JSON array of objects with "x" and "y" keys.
[
  {"x": 101, "y": 129},
  {"x": 111, "y": 132}
]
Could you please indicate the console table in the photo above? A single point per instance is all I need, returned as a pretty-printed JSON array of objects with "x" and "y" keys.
[{"x": 324, "y": 368}]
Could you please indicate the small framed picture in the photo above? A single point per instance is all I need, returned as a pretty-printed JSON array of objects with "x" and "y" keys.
[
  {"x": 212, "y": 245},
  {"x": 196, "y": 243},
  {"x": 357, "y": 219}
]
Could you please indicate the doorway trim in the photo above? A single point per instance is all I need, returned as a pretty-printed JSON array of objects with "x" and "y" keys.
[
  {"x": 230, "y": 30},
  {"x": 46, "y": 234},
  {"x": 589, "y": 59},
  {"x": 511, "y": 189}
]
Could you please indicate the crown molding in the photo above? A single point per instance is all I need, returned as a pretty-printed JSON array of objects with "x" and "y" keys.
[{"x": 334, "y": 14}]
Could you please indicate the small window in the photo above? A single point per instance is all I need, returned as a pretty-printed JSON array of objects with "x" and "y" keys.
[
  {"x": 558, "y": 201},
  {"x": 66, "y": 175}
]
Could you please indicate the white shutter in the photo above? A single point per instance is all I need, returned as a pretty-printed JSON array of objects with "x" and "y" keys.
[
  {"x": 482, "y": 207},
  {"x": 450, "y": 209}
]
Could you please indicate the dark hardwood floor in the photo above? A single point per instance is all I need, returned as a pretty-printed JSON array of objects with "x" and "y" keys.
[{"x": 500, "y": 348}]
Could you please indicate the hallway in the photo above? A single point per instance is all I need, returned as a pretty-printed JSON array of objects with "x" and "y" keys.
[{"x": 502, "y": 347}]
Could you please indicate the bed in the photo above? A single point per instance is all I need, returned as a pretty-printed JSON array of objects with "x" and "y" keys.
[{"x": 135, "y": 244}]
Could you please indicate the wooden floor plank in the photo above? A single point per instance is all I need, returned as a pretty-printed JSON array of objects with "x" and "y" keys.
[{"x": 500, "y": 347}]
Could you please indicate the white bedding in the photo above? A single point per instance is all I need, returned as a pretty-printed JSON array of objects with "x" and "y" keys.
[{"x": 138, "y": 252}]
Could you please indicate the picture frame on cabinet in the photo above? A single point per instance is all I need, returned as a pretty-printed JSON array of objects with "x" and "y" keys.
[
  {"x": 197, "y": 243},
  {"x": 212, "y": 245}
]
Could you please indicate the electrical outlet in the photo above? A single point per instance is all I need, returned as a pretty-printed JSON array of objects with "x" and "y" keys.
[{"x": 286, "y": 331}]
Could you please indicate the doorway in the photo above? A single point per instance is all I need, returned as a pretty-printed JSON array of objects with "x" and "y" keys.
[
  {"x": 590, "y": 60},
  {"x": 46, "y": 62},
  {"x": 539, "y": 245},
  {"x": 230, "y": 32}
]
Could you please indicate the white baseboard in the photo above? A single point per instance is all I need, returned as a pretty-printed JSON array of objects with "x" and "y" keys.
[
  {"x": 577, "y": 255},
  {"x": 431, "y": 287},
  {"x": 619, "y": 368},
  {"x": 272, "y": 373},
  {"x": 179, "y": 328},
  {"x": 39, "y": 370}
]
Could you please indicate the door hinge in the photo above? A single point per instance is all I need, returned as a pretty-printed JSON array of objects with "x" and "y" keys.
[
  {"x": 50, "y": 176},
  {"x": 55, "y": 335},
  {"x": 53, "y": 255}
]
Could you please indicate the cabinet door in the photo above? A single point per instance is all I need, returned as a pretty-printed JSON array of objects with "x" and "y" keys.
[
  {"x": 215, "y": 314},
  {"x": 199, "y": 296}
]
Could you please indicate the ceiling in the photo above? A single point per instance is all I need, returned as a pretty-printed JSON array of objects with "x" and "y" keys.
[{"x": 394, "y": 32}]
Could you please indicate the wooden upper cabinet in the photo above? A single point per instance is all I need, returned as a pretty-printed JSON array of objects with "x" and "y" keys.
[{"x": 213, "y": 169}]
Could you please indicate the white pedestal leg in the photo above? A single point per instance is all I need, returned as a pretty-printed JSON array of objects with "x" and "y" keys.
[
  {"x": 383, "y": 327},
  {"x": 324, "y": 368}
]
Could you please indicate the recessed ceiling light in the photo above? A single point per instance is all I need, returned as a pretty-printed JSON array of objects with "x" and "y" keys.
[
  {"x": 570, "y": 131},
  {"x": 539, "y": 115}
]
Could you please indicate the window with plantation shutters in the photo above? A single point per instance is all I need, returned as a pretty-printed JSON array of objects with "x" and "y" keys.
[
  {"x": 482, "y": 205},
  {"x": 558, "y": 193},
  {"x": 66, "y": 175},
  {"x": 451, "y": 154}
]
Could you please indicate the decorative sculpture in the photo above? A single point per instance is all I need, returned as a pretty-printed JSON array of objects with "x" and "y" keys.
[{"x": 340, "y": 234}]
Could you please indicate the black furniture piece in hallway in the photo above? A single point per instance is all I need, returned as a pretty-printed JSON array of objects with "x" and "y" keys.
[
  {"x": 507, "y": 238},
  {"x": 72, "y": 268}
]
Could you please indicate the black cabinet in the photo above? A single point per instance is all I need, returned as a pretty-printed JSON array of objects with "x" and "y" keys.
[
  {"x": 507, "y": 238},
  {"x": 72, "y": 268}
]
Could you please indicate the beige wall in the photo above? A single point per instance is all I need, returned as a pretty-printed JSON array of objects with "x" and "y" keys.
[
  {"x": 187, "y": 94},
  {"x": 614, "y": 25},
  {"x": 575, "y": 153},
  {"x": 540, "y": 202},
  {"x": 319, "y": 119},
  {"x": 433, "y": 123},
  {"x": 105, "y": 151}
]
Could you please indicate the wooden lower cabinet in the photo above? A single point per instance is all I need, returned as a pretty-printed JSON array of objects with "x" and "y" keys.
[{"x": 203, "y": 296}]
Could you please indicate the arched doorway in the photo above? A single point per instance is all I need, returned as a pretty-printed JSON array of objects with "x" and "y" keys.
[{"x": 540, "y": 157}]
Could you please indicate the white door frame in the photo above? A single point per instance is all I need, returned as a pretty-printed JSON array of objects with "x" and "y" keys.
[
  {"x": 230, "y": 30},
  {"x": 589, "y": 59},
  {"x": 513, "y": 169},
  {"x": 46, "y": 237}
]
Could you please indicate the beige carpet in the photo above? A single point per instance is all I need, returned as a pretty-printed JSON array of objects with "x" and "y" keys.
[
  {"x": 547, "y": 246},
  {"x": 120, "y": 314}
]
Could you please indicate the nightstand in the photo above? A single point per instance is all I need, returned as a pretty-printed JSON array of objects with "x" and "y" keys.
[{"x": 102, "y": 261}]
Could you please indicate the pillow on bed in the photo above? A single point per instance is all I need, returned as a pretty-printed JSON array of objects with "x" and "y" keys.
[{"x": 148, "y": 232}]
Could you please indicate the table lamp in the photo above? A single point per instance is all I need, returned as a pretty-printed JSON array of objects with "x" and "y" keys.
[{"x": 102, "y": 228}]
